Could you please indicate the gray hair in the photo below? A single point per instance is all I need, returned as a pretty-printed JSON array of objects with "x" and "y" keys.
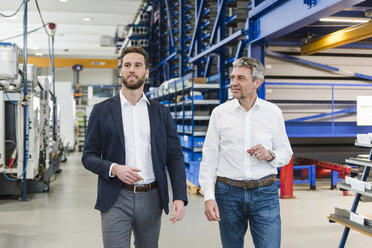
[{"x": 258, "y": 70}]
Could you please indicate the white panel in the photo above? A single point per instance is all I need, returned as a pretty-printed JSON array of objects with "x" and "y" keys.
[
  {"x": 88, "y": 76},
  {"x": 66, "y": 100},
  {"x": 8, "y": 62},
  {"x": 364, "y": 110},
  {"x": 2, "y": 132},
  {"x": 34, "y": 138}
]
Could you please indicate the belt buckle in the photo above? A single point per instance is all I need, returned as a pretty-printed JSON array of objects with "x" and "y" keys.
[
  {"x": 245, "y": 184},
  {"x": 135, "y": 189}
]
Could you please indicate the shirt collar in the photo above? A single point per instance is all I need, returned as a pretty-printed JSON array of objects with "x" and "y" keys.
[
  {"x": 237, "y": 105},
  {"x": 124, "y": 100}
]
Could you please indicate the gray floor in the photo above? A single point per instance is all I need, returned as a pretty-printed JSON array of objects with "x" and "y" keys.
[{"x": 64, "y": 217}]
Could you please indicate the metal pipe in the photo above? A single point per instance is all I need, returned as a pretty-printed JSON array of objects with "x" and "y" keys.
[
  {"x": 54, "y": 92},
  {"x": 25, "y": 117}
]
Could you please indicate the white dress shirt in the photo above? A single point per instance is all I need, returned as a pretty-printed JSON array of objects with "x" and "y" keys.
[
  {"x": 231, "y": 132},
  {"x": 137, "y": 137}
]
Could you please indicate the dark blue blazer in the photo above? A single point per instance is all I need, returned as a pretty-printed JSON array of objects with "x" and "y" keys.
[{"x": 104, "y": 145}]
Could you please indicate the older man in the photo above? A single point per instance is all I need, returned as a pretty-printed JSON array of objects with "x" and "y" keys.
[{"x": 245, "y": 143}]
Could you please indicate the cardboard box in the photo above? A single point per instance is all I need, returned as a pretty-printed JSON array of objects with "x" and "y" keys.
[{"x": 198, "y": 80}]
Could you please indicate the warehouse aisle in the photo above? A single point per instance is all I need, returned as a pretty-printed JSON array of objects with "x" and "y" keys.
[{"x": 64, "y": 217}]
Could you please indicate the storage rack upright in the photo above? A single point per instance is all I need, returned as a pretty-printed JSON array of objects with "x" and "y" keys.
[{"x": 360, "y": 190}]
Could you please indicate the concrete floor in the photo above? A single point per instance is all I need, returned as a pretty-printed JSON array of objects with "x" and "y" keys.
[{"x": 64, "y": 217}]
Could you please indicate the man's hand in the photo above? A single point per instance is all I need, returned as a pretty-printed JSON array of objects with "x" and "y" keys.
[
  {"x": 211, "y": 210},
  {"x": 260, "y": 152},
  {"x": 126, "y": 173},
  {"x": 178, "y": 211}
]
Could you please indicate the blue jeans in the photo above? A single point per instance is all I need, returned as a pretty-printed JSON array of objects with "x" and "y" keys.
[{"x": 259, "y": 207}]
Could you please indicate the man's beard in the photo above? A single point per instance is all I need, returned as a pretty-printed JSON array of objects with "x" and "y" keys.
[{"x": 135, "y": 86}]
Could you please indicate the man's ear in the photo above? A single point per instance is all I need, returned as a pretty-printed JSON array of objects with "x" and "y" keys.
[
  {"x": 258, "y": 82},
  {"x": 147, "y": 73}
]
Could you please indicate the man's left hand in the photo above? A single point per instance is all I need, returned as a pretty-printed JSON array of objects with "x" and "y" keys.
[
  {"x": 178, "y": 210},
  {"x": 260, "y": 152}
]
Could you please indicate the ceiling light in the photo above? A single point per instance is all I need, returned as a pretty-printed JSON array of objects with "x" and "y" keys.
[
  {"x": 63, "y": 1},
  {"x": 348, "y": 20},
  {"x": 34, "y": 48},
  {"x": 39, "y": 54},
  {"x": 87, "y": 19}
]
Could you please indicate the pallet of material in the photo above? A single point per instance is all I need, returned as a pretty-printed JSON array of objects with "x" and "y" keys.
[{"x": 192, "y": 188}]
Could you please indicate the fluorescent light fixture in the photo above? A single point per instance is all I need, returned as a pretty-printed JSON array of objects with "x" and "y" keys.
[
  {"x": 34, "y": 48},
  {"x": 348, "y": 20},
  {"x": 39, "y": 54},
  {"x": 87, "y": 19},
  {"x": 63, "y": 1}
]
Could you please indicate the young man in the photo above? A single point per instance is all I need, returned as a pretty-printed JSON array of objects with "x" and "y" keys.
[
  {"x": 245, "y": 143},
  {"x": 129, "y": 141}
]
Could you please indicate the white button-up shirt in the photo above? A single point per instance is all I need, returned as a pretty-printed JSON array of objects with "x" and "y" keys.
[
  {"x": 231, "y": 132},
  {"x": 136, "y": 124}
]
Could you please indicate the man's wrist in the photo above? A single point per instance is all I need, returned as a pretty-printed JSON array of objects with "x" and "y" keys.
[
  {"x": 113, "y": 170},
  {"x": 273, "y": 156}
]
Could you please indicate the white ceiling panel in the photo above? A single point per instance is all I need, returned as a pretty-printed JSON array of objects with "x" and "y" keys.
[{"x": 74, "y": 37}]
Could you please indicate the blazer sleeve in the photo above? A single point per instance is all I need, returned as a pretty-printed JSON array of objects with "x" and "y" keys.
[
  {"x": 175, "y": 161},
  {"x": 92, "y": 152}
]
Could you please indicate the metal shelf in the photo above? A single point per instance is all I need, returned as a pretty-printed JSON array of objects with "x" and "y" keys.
[
  {"x": 198, "y": 118},
  {"x": 197, "y": 133},
  {"x": 350, "y": 224},
  {"x": 196, "y": 102},
  {"x": 356, "y": 161},
  {"x": 203, "y": 86},
  {"x": 345, "y": 186},
  {"x": 363, "y": 145},
  {"x": 196, "y": 149},
  {"x": 203, "y": 102}
]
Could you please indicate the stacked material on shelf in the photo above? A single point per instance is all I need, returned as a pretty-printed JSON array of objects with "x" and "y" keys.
[{"x": 354, "y": 219}]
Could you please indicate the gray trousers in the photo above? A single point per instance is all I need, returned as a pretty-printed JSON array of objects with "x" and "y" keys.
[{"x": 137, "y": 212}]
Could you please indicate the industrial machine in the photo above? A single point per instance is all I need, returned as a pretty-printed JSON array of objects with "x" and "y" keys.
[{"x": 30, "y": 144}]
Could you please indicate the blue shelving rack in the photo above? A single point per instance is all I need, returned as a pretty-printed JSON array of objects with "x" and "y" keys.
[{"x": 201, "y": 39}]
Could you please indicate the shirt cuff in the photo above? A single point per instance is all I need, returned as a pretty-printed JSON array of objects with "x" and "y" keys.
[
  {"x": 209, "y": 195},
  {"x": 110, "y": 175}
]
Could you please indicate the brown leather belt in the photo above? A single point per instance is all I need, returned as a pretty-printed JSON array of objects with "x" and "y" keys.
[
  {"x": 140, "y": 188},
  {"x": 245, "y": 184}
]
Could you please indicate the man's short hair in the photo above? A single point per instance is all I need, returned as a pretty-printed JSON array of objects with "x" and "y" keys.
[
  {"x": 258, "y": 70},
  {"x": 135, "y": 49}
]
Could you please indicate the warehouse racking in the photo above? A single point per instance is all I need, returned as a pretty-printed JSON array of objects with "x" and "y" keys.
[
  {"x": 350, "y": 219},
  {"x": 204, "y": 37}
]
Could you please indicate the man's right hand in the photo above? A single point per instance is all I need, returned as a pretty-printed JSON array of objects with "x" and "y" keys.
[
  {"x": 126, "y": 173},
  {"x": 211, "y": 210}
]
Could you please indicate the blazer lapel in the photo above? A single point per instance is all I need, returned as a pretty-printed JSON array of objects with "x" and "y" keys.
[{"x": 115, "y": 107}]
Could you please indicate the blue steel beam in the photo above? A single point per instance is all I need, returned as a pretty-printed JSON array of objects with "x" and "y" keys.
[
  {"x": 216, "y": 25},
  {"x": 276, "y": 22},
  {"x": 182, "y": 38},
  {"x": 197, "y": 26},
  {"x": 340, "y": 112},
  {"x": 316, "y": 65},
  {"x": 168, "y": 58},
  {"x": 240, "y": 49},
  {"x": 217, "y": 46}
]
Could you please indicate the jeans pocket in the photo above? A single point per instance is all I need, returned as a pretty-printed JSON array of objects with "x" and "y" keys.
[
  {"x": 221, "y": 188},
  {"x": 271, "y": 189}
]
